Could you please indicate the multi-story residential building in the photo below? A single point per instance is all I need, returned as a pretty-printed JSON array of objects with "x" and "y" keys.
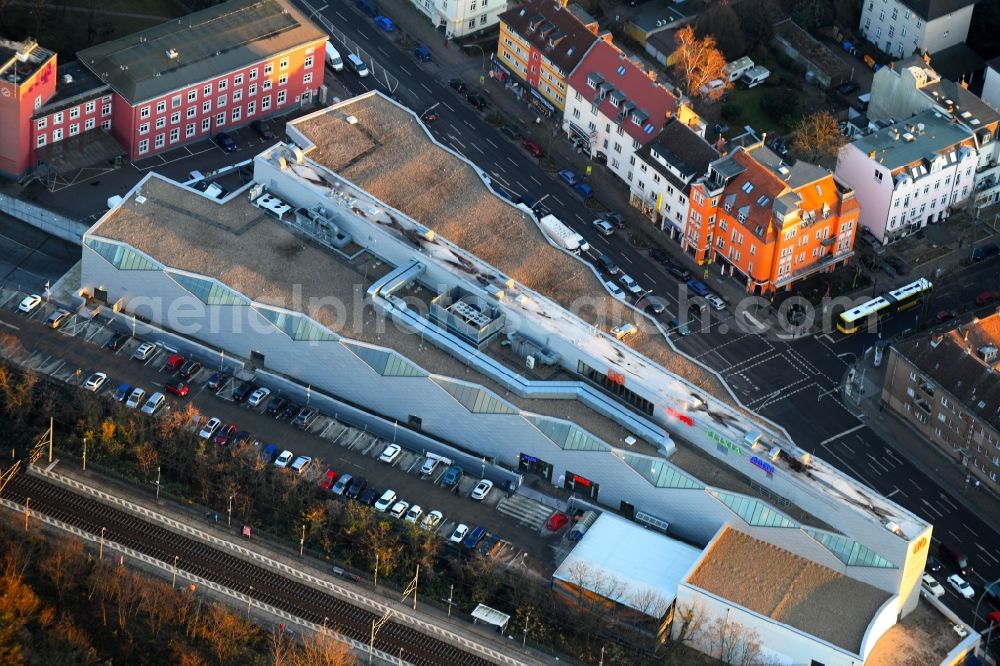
[
  {"x": 773, "y": 223},
  {"x": 666, "y": 169},
  {"x": 902, "y": 27},
  {"x": 541, "y": 42},
  {"x": 910, "y": 174},
  {"x": 946, "y": 386},
  {"x": 27, "y": 81},
  {"x": 457, "y": 18},
  {"x": 911, "y": 86},
  {"x": 218, "y": 68},
  {"x": 617, "y": 107}
]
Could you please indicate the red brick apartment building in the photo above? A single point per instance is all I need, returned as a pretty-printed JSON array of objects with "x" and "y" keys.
[
  {"x": 773, "y": 223},
  {"x": 177, "y": 82}
]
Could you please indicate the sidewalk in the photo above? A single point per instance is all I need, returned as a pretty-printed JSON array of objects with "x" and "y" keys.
[{"x": 908, "y": 443}]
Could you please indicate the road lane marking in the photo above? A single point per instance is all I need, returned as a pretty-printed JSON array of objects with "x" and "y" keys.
[
  {"x": 406, "y": 71},
  {"x": 477, "y": 148},
  {"x": 625, "y": 257},
  {"x": 648, "y": 277},
  {"x": 515, "y": 164},
  {"x": 470, "y": 124},
  {"x": 493, "y": 144},
  {"x": 843, "y": 434},
  {"x": 532, "y": 178},
  {"x": 972, "y": 531},
  {"x": 454, "y": 140},
  {"x": 988, "y": 554},
  {"x": 916, "y": 485},
  {"x": 342, "y": 17},
  {"x": 556, "y": 199},
  {"x": 931, "y": 508},
  {"x": 445, "y": 105},
  {"x": 424, "y": 86}
]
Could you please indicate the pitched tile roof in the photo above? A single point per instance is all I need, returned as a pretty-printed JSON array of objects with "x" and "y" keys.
[
  {"x": 555, "y": 31},
  {"x": 747, "y": 191},
  {"x": 646, "y": 100}
]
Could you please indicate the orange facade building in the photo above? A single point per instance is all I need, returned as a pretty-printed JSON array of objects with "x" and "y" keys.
[{"x": 773, "y": 223}]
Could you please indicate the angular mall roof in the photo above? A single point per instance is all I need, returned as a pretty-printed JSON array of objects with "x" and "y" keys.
[
  {"x": 618, "y": 73},
  {"x": 643, "y": 576},
  {"x": 208, "y": 43},
  {"x": 541, "y": 20}
]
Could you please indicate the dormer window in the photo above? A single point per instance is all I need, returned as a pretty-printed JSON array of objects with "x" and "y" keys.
[
  {"x": 594, "y": 79},
  {"x": 636, "y": 119}
]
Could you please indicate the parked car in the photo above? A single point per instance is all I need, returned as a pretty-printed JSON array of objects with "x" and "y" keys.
[
  {"x": 190, "y": 369},
  {"x": 429, "y": 117},
  {"x": 568, "y": 177},
  {"x": 225, "y": 142},
  {"x": 615, "y": 290},
  {"x": 429, "y": 466},
  {"x": 399, "y": 509},
  {"x": 603, "y": 227},
  {"x": 481, "y": 490},
  {"x": 180, "y": 389},
  {"x": 385, "y": 23},
  {"x": 556, "y": 521},
  {"x": 422, "y": 53},
  {"x": 617, "y": 220},
  {"x": 584, "y": 190},
  {"x": 243, "y": 392},
  {"x": 241, "y": 437},
  {"x": 135, "y": 398},
  {"x": 263, "y": 129},
  {"x": 122, "y": 392},
  {"x": 117, "y": 341},
  {"x": 476, "y": 101},
  {"x": 208, "y": 430},
  {"x": 342, "y": 483},
  {"x": 358, "y": 485},
  {"x": 29, "y": 303},
  {"x": 269, "y": 453},
  {"x": 432, "y": 520},
  {"x": 414, "y": 514},
  {"x": 458, "y": 85},
  {"x": 370, "y": 495},
  {"x": 460, "y": 532},
  {"x": 532, "y": 147},
  {"x": 931, "y": 585},
  {"x": 605, "y": 263},
  {"x": 257, "y": 397},
  {"x": 659, "y": 255},
  {"x": 291, "y": 410},
  {"x": 154, "y": 404},
  {"x": 301, "y": 464},
  {"x": 652, "y": 305},
  {"x": 57, "y": 319},
  {"x": 511, "y": 132},
  {"x": 682, "y": 274},
  {"x": 681, "y": 327},
  {"x": 391, "y": 453},
  {"x": 985, "y": 252},
  {"x": 631, "y": 286},
  {"x": 962, "y": 587},
  {"x": 217, "y": 381},
  {"x": 284, "y": 459},
  {"x": 490, "y": 545},
  {"x": 275, "y": 405},
  {"x": 474, "y": 537},
  {"x": 225, "y": 434},
  {"x": 985, "y": 298},
  {"x": 932, "y": 564},
  {"x": 944, "y": 315},
  {"x": 387, "y": 499},
  {"x": 305, "y": 417},
  {"x": 95, "y": 382},
  {"x": 174, "y": 363},
  {"x": 328, "y": 479},
  {"x": 698, "y": 287},
  {"x": 716, "y": 301},
  {"x": 451, "y": 476}
]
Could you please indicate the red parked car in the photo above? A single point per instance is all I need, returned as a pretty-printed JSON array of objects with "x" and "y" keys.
[
  {"x": 985, "y": 298},
  {"x": 945, "y": 315},
  {"x": 225, "y": 434},
  {"x": 532, "y": 147},
  {"x": 328, "y": 480},
  {"x": 556, "y": 520},
  {"x": 180, "y": 389},
  {"x": 173, "y": 363}
]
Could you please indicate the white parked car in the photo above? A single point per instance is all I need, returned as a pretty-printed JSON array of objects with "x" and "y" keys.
[
  {"x": 285, "y": 458},
  {"x": 95, "y": 382},
  {"x": 961, "y": 586},
  {"x": 615, "y": 290},
  {"x": 716, "y": 302},
  {"x": 931, "y": 585},
  {"x": 481, "y": 490},
  {"x": 301, "y": 464},
  {"x": 388, "y": 499},
  {"x": 399, "y": 509},
  {"x": 208, "y": 430},
  {"x": 414, "y": 514},
  {"x": 144, "y": 351},
  {"x": 631, "y": 286},
  {"x": 604, "y": 227},
  {"x": 29, "y": 303},
  {"x": 432, "y": 520},
  {"x": 135, "y": 398},
  {"x": 258, "y": 396},
  {"x": 391, "y": 453},
  {"x": 459, "y": 534},
  {"x": 154, "y": 404}
]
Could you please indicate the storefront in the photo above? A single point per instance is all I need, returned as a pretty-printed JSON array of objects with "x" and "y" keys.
[
  {"x": 532, "y": 465},
  {"x": 540, "y": 104},
  {"x": 581, "y": 485}
]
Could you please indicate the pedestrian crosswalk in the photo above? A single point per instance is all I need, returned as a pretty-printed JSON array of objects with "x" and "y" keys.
[{"x": 524, "y": 510}]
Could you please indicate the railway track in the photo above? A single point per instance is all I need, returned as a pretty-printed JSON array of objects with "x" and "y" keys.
[{"x": 263, "y": 585}]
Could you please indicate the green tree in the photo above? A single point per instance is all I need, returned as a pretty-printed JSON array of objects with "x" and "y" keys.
[
  {"x": 812, "y": 14},
  {"x": 720, "y": 22}
]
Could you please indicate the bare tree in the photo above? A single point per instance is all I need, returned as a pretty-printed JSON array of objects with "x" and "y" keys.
[
  {"x": 733, "y": 643},
  {"x": 65, "y": 566},
  {"x": 698, "y": 62},
  {"x": 323, "y": 649},
  {"x": 690, "y": 624},
  {"x": 817, "y": 135},
  {"x": 649, "y": 602},
  {"x": 720, "y": 22}
]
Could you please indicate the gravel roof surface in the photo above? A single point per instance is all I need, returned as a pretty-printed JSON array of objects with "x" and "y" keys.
[
  {"x": 388, "y": 153},
  {"x": 925, "y": 636},
  {"x": 788, "y": 588}
]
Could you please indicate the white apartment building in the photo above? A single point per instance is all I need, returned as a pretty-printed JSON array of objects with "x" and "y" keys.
[
  {"x": 911, "y": 86},
  {"x": 462, "y": 17},
  {"x": 665, "y": 170},
  {"x": 927, "y": 26},
  {"x": 909, "y": 174}
]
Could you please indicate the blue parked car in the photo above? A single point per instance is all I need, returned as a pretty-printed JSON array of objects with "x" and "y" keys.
[
  {"x": 568, "y": 176},
  {"x": 385, "y": 23},
  {"x": 698, "y": 287},
  {"x": 584, "y": 190},
  {"x": 451, "y": 477},
  {"x": 422, "y": 53},
  {"x": 122, "y": 392},
  {"x": 474, "y": 537},
  {"x": 269, "y": 453}
]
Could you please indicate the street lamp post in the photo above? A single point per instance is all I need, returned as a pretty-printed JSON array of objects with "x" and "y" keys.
[
  {"x": 302, "y": 542},
  {"x": 84, "y": 454},
  {"x": 249, "y": 600},
  {"x": 482, "y": 76},
  {"x": 230, "y": 519},
  {"x": 173, "y": 585},
  {"x": 27, "y": 512},
  {"x": 100, "y": 552},
  {"x": 157, "y": 482}
]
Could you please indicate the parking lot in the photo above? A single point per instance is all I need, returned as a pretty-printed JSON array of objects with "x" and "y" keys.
[{"x": 517, "y": 520}]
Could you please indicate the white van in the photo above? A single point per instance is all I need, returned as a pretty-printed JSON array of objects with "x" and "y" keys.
[
  {"x": 333, "y": 58},
  {"x": 357, "y": 65}
]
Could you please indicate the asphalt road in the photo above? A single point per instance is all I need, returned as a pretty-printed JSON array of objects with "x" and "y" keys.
[{"x": 793, "y": 381}]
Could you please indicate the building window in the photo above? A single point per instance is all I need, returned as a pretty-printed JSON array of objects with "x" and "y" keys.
[
  {"x": 237, "y": 113},
  {"x": 252, "y": 90},
  {"x": 91, "y": 106},
  {"x": 42, "y": 123},
  {"x": 268, "y": 68},
  {"x": 265, "y": 103},
  {"x": 74, "y": 113},
  {"x": 160, "y": 141},
  {"x": 207, "y": 90},
  {"x": 482, "y": 19},
  {"x": 283, "y": 63},
  {"x": 281, "y": 97},
  {"x": 223, "y": 84},
  {"x": 192, "y": 95},
  {"x": 175, "y": 117},
  {"x": 266, "y": 85},
  {"x": 40, "y": 141},
  {"x": 175, "y": 135},
  {"x": 105, "y": 109},
  {"x": 238, "y": 80},
  {"x": 175, "y": 101},
  {"x": 106, "y": 124},
  {"x": 144, "y": 146},
  {"x": 144, "y": 128},
  {"x": 308, "y": 63},
  {"x": 307, "y": 78},
  {"x": 283, "y": 79},
  {"x": 206, "y": 106},
  {"x": 220, "y": 119},
  {"x": 74, "y": 129},
  {"x": 220, "y": 101},
  {"x": 143, "y": 112},
  {"x": 206, "y": 124},
  {"x": 472, "y": 23},
  {"x": 58, "y": 118},
  {"x": 89, "y": 124},
  {"x": 161, "y": 106},
  {"x": 251, "y": 108},
  {"x": 161, "y": 122},
  {"x": 253, "y": 74},
  {"x": 192, "y": 111},
  {"x": 189, "y": 130},
  {"x": 878, "y": 176}
]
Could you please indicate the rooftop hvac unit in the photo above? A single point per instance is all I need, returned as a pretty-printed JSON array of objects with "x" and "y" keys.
[
  {"x": 172, "y": 54},
  {"x": 652, "y": 522},
  {"x": 529, "y": 361}
]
